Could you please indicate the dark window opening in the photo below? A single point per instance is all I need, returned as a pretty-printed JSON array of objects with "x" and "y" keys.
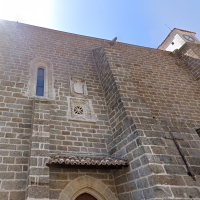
[
  {"x": 198, "y": 131},
  {"x": 40, "y": 83}
]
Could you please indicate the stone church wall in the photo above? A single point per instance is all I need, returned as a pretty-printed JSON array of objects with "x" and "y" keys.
[
  {"x": 156, "y": 96},
  {"x": 70, "y": 56},
  {"x": 132, "y": 97}
]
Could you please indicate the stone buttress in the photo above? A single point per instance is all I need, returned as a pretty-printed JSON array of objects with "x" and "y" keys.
[
  {"x": 141, "y": 133},
  {"x": 38, "y": 174}
]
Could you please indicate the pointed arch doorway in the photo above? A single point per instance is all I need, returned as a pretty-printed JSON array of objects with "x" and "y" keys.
[
  {"x": 85, "y": 196},
  {"x": 89, "y": 185}
]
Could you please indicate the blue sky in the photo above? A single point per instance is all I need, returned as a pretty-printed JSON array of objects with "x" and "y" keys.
[{"x": 139, "y": 22}]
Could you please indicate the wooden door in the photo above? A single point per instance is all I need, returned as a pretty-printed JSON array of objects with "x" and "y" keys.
[{"x": 85, "y": 196}]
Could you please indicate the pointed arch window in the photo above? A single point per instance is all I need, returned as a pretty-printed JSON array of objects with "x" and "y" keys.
[{"x": 40, "y": 82}]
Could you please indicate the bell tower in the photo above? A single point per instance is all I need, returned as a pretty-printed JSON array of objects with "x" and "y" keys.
[{"x": 177, "y": 38}]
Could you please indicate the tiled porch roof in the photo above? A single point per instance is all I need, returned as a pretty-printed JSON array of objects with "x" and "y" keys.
[{"x": 89, "y": 160}]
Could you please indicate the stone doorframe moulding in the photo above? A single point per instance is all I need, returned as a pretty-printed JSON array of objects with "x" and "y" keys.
[
  {"x": 49, "y": 91},
  {"x": 86, "y": 184}
]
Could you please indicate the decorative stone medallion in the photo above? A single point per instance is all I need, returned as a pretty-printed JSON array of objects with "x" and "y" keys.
[{"x": 81, "y": 110}]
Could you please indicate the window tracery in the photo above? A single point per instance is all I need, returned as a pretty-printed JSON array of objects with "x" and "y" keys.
[{"x": 81, "y": 110}]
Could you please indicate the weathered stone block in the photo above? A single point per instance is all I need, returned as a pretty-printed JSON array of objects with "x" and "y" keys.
[
  {"x": 4, "y": 195},
  {"x": 13, "y": 185},
  {"x": 39, "y": 171},
  {"x": 142, "y": 183},
  {"x": 157, "y": 192},
  {"x": 38, "y": 192},
  {"x": 184, "y": 192},
  {"x": 6, "y": 175},
  {"x": 169, "y": 180}
]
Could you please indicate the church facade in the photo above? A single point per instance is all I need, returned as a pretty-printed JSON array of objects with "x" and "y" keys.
[{"x": 87, "y": 118}]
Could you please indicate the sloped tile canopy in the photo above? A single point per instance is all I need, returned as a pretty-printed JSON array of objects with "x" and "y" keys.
[{"x": 87, "y": 161}]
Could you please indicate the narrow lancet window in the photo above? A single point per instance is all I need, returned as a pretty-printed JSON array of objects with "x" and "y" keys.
[{"x": 40, "y": 82}]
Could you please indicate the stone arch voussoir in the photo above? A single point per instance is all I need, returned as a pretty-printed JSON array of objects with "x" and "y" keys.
[{"x": 89, "y": 185}]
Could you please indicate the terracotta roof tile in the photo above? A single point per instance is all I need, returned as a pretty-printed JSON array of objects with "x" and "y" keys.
[{"x": 87, "y": 160}]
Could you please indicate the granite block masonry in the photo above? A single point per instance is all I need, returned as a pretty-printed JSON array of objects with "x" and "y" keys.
[{"x": 118, "y": 103}]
